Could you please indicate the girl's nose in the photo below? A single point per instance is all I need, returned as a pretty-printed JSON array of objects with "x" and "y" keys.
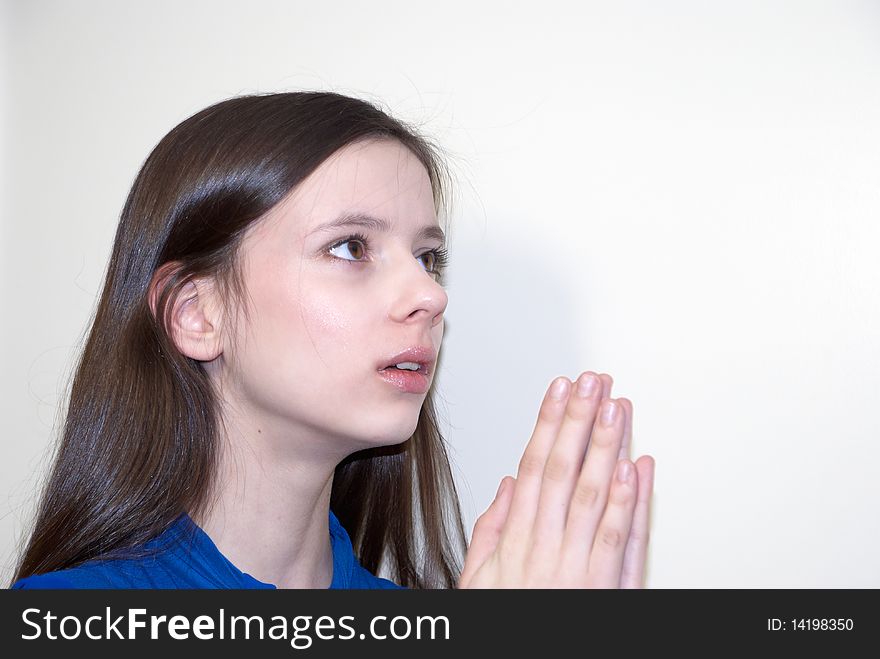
[{"x": 419, "y": 294}]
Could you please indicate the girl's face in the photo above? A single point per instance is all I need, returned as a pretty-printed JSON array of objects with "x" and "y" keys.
[{"x": 328, "y": 310}]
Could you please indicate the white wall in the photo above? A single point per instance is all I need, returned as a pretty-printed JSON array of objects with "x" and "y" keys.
[{"x": 681, "y": 194}]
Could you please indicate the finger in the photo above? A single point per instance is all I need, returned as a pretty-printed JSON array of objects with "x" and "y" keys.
[
  {"x": 524, "y": 505},
  {"x": 564, "y": 464},
  {"x": 606, "y": 557},
  {"x": 591, "y": 492},
  {"x": 633, "y": 572},
  {"x": 607, "y": 383},
  {"x": 487, "y": 530},
  {"x": 626, "y": 444}
]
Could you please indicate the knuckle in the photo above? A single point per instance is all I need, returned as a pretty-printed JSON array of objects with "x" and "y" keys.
[
  {"x": 531, "y": 465},
  {"x": 510, "y": 550},
  {"x": 610, "y": 537},
  {"x": 482, "y": 520},
  {"x": 551, "y": 408},
  {"x": 622, "y": 495},
  {"x": 549, "y": 412},
  {"x": 585, "y": 495},
  {"x": 482, "y": 526},
  {"x": 578, "y": 409},
  {"x": 558, "y": 469},
  {"x": 605, "y": 440}
]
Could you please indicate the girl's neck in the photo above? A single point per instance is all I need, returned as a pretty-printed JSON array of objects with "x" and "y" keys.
[{"x": 270, "y": 515}]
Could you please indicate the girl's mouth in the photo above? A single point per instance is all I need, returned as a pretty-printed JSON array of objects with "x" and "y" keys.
[{"x": 411, "y": 382}]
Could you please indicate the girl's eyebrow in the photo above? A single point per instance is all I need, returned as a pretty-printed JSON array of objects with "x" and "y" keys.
[{"x": 377, "y": 224}]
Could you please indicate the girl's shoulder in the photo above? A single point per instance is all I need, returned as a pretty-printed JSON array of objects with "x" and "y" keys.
[
  {"x": 164, "y": 562},
  {"x": 60, "y": 579},
  {"x": 84, "y": 576},
  {"x": 185, "y": 557},
  {"x": 156, "y": 571}
]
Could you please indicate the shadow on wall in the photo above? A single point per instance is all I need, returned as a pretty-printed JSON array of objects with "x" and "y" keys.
[{"x": 514, "y": 331}]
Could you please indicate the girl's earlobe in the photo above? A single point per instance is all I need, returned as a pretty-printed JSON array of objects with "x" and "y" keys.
[{"x": 194, "y": 329}]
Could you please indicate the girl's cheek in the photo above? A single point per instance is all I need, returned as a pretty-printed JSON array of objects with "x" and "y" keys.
[{"x": 327, "y": 314}]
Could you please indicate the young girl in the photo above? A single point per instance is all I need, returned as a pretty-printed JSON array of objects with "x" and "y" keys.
[{"x": 253, "y": 406}]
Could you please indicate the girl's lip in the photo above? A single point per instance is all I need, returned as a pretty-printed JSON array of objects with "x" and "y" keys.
[
  {"x": 422, "y": 355},
  {"x": 411, "y": 382}
]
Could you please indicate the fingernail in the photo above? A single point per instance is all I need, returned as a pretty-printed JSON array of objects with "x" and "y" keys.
[
  {"x": 559, "y": 388},
  {"x": 609, "y": 412},
  {"x": 586, "y": 385},
  {"x": 624, "y": 471}
]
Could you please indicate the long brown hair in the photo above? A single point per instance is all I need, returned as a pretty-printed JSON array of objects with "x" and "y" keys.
[{"x": 139, "y": 444}]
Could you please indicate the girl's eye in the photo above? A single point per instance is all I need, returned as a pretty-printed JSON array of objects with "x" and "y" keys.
[
  {"x": 439, "y": 260},
  {"x": 434, "y": 264},
  {"x": 358, "y": 254}
]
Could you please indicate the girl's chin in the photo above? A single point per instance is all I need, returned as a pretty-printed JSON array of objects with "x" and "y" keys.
[{"x": 392, "y": 435}]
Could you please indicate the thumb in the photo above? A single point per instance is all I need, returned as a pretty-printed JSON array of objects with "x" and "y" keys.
[{"x": 487, "y": 530}]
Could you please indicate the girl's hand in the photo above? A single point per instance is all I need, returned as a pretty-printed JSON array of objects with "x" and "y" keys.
[{"x": 568, "y": 521}]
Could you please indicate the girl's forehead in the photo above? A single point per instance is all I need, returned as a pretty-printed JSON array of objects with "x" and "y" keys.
[
  {"x": 372, "y": 172},
  {"x": 381, "y": 178},
  {"x": 376, "y": 178}
]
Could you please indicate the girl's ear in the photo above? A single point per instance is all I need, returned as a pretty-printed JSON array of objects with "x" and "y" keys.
[{"x": 194, "y": 321}]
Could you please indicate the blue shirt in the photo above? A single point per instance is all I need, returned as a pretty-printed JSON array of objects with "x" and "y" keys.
[{"x": 188, "y": 558}]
